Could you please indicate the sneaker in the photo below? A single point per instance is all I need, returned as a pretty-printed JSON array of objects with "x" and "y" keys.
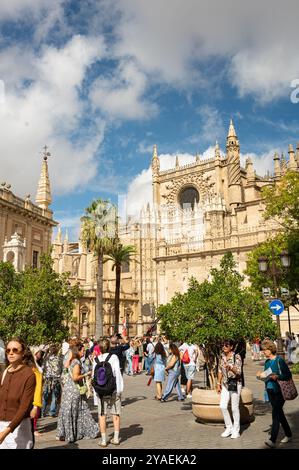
[
  {"x": 270, "y": 443},
  {"x": 189, "y": 395},
  {"x": 286, "y": 439},
  {"x": 226, "y": 433},
  {"x": 235, "y": 435},
  {"x": 114, "y": 441},
  {"x": 162, "y": 400},
  {"x": 102, "y": 444}
]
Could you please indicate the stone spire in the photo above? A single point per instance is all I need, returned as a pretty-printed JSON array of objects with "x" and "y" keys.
[
  {"x": 217, "y": 151},
  {"x": 43, "y": 197},
  {"x": 58, "y": 236},
  {"x": 250, "y": 173},
  {"x": 283, "y": 163},
  {"x": 297, "y": 154},
  {"x": 292, "y": 162},
  {"x": 66, "y": 242},
  {"x": 277, "y": 169},
  {"x": 177, "y": 163},
  {"x": 233, "y": 166},
  {"x": 231, "y": 130},
  {"x": 155, "y": 161}
]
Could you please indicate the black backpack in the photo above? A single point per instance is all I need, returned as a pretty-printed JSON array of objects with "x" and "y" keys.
[{"x": 103, "y": 381}]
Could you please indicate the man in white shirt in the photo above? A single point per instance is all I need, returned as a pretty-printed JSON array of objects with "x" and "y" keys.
[
  {"x": 190, "y": 367},
  {"x": 113, "y": 401},
  {"x": 150, "y": 349}
]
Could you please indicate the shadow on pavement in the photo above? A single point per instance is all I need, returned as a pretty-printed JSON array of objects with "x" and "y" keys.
[
  {"x": 130, "y": 431},
  {"x": 129, "y": 401}
]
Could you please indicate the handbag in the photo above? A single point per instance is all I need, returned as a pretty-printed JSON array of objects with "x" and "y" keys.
[
  {"x": 82, "y": 389},
  {"x": 232, "y": 382},
  {"x": 232, "y": 385},
  {"x": 287, "y": 387}
]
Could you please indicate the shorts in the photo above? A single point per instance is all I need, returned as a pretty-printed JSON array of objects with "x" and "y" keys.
[
  {"x": 190, "y": 371},
  {"x": 113, "y": 403}
]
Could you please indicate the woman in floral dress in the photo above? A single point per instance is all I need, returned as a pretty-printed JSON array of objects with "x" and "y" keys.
[{"x": 75, "y": 420}]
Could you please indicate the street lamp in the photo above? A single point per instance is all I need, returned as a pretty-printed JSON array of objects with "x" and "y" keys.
[
  {"x": 285, "y": 259},
  {"x": 264, "y": 265}
]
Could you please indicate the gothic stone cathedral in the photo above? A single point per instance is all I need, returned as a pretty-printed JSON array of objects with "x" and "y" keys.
[{"x": 199, "y": 211}]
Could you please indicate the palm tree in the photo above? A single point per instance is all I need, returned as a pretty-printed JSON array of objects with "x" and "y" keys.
[
  {"x": 119, "y": 254},
  {"x": 98, "y": 232}
]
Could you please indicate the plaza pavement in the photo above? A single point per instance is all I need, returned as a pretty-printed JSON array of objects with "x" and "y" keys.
[{"x": 149, "y": 424}]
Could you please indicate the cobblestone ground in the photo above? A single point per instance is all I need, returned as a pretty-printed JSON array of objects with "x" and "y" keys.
[{"x": 149, "y": 424}]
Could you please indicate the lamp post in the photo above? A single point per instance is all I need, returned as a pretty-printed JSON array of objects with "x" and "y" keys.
[{"x": 264, "y": 266}]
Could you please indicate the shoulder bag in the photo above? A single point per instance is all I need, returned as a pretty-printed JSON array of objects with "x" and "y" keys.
[{"x": 287, "y": 387}]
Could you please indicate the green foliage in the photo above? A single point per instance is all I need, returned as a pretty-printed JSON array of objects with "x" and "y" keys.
[
  {"x": 119, "y": 254},
  {"x": 217, "y": 309},
  {"x": 285, "y": 277},
  {"x": 282, "y": 201},
  {"x": 36, "y": 303},
  {"x": 295, "y": 368},
  {"x": 99, "y": 226}
]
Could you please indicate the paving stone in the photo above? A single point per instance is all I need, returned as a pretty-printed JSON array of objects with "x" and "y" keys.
[{"x": 149, "y": 424}]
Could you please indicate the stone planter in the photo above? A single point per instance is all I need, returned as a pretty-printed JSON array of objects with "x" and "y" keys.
[{"x": 205, "y": 406}]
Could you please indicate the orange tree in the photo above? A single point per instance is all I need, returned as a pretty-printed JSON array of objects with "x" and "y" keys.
[{"x": 214, "y": 310}]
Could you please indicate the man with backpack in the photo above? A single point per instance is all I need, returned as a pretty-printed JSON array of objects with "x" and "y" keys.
[
  {"x": 189, "y": 353},
  {"x": 108, "y": 385}
]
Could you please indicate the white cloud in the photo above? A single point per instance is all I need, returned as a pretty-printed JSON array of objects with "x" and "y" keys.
[
  {"x": 122, "y": 94},
  {"x": 48, "y": 110},
  {"x": 212, "y": 127},
  {"x": 170, "y": 39}
]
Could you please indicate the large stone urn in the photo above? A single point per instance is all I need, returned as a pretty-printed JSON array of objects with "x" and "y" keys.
[{"x": 205, "y": 406}]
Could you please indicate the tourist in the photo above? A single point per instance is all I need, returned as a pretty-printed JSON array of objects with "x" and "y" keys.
[
  {"x": 38, "y": 392},
  {"x": 129, "y": 357},
  {"x": 113, "y": 401},
  {"x": 229, "y": 385},
  {"x": 75, "y": 421},
  {"x": 149, "y": 355},
  {"x": 280, "y": 371},
  {"x": 173, "y": 368},
  {"x": 190, "y": 366},
  {"x": 288, "y": 346},
  {"x": 118, "y": 345},
  {"x": 159, "y": 368},
  {"x": 16, "y": 397},
  {"x": 135, "y": 358},
  {"x": 52, "y": 380}
]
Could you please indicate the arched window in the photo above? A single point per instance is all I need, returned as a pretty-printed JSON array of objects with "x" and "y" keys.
[{"x": 188, "y": 196}]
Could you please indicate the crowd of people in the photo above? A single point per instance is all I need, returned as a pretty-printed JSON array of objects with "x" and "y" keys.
[{"x": 58, "y": 380}]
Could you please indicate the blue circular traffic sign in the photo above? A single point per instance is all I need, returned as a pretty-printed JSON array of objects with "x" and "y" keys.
[{"x": 276, "y": 307}]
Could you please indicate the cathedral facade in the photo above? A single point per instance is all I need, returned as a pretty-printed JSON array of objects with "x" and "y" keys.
[{"x": 199, "y": 211}]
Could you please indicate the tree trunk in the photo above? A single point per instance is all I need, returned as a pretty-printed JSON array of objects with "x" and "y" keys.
[
  {"x": 99, "y": 298},
  {"x": 117, "y": 297}
]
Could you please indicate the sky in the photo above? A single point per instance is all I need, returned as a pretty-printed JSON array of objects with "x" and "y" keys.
[{"x": 101, "y": 81}]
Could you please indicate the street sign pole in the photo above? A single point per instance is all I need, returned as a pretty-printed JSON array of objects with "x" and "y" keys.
[{"x": 277, "y": 307}]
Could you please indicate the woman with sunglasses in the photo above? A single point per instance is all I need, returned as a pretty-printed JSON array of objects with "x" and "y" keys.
[
  {"x": 229, "y": 385},
  {"x": 17, "y": 386}
]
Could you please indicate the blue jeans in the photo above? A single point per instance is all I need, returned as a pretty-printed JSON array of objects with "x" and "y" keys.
[
  {"x": 129, "y": 370},
  {"x": 52, "y": 389},
  {"x": 173, "y": 381},
  {"x": 149, "y": 362}
]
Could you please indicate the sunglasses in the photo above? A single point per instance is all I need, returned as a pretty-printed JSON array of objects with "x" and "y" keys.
[{"x": 13, "y": 350}]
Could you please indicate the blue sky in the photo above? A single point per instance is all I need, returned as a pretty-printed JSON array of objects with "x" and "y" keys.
[{"x": 101, "y": 81}]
